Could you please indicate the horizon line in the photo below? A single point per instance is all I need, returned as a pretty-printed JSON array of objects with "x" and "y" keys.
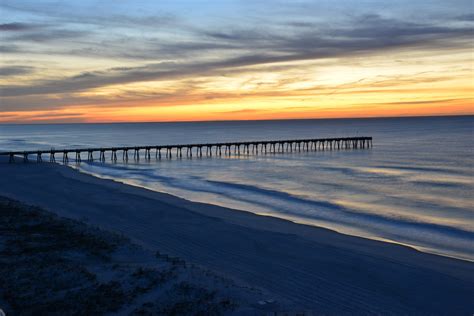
[{"x": 243, "y": 120}]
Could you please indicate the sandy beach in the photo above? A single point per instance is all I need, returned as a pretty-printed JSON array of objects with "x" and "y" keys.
[
  {"x": 51, "y": 265},
  {"x": 306, "y": 267},
  {"x": 250, "y": 158}
]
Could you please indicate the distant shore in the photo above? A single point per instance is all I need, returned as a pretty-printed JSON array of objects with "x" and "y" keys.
[{"x": 309, "y": 267}]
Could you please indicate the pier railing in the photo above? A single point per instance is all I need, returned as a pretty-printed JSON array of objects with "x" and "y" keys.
[{"x": 227, "y": 149}]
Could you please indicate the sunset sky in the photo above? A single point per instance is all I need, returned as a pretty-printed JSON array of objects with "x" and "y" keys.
[{"x": 120, "y": 60}]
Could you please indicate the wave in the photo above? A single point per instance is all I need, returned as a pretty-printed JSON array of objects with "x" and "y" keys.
[
  {"x": 439, "y": 184},
  {"x": 422, "y": 169},
  {"x": 279, "y": 201},
  {"x": 336, "y": 207}
]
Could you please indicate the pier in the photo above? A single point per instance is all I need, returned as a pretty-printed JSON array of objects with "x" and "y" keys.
[{"x": 192, "y": 150}]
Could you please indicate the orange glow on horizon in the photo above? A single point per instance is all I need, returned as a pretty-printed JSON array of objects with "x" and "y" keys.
[
  {"x": 193, "y": 113},
  {"x": 347, "y": 88}
]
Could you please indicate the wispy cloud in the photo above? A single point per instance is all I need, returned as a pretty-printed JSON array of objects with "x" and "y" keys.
[
  {"x": 270, "y": 48},
  {"x": 15, "y": 27},
  {"x": 466, "y": 17},
  {"x": 15, "y": 70},
  {"x": 372, "y": 34}
]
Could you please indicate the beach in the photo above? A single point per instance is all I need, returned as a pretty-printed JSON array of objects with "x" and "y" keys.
[
  {"x": 307, "y": 267},
  {"x": 207, "y": 158},
  {"x": 51, "y": 265}
]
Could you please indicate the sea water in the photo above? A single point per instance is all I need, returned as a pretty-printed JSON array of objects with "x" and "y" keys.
[{"x": 414, "y": 187}]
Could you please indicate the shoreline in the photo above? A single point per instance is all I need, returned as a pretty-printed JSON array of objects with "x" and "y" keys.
[
  {"x": 295, "y": 220},
  {"x": 313, "y": 267}
]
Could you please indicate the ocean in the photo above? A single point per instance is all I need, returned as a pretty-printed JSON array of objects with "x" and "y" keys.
[{"x": 414, "y": 187}]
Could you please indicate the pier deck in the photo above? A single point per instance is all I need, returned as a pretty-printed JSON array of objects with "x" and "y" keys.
[{"x": 226, "y": 148}]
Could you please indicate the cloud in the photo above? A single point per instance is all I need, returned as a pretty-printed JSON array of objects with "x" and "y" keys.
[
  {"x": 301, "y": 24},
  {"x": 15, "y": 70},
  {"x": 417, "y": 102},
  {"x": 228, "y": 50},
  {"x": 43, "y": 117},
  {"x": 389, "y": 30},
  {"x": 53, "y": 114},
  {"x": 368, "y": 33},
  {"x": 15, "y": 26},
  {"x": 46, "y": 35},
  {"x": 28, "y": 32},
  {"x": 79, "y": 13},
  {"x": 151, "y": 49},
  {"x": 243, "y": 111},
  {"x": 466, "y": 17},
  {"x": 9, "y": 49},
  {"x": 372, "y": 34}
]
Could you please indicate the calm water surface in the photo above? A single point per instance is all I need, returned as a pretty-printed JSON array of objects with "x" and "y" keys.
[{"x": 414, "y": 187}]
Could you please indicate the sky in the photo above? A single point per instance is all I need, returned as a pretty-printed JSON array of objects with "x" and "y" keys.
[{"x": 134, "y": 61}]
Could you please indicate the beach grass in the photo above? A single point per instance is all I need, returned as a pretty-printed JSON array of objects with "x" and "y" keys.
[{"x": 51, "y": 265}]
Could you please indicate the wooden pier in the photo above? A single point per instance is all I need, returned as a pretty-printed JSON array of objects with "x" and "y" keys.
[{"x": 188, "y": 150}]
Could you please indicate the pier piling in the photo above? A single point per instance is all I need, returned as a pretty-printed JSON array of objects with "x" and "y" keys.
[{"x": 230, "y": 148}]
